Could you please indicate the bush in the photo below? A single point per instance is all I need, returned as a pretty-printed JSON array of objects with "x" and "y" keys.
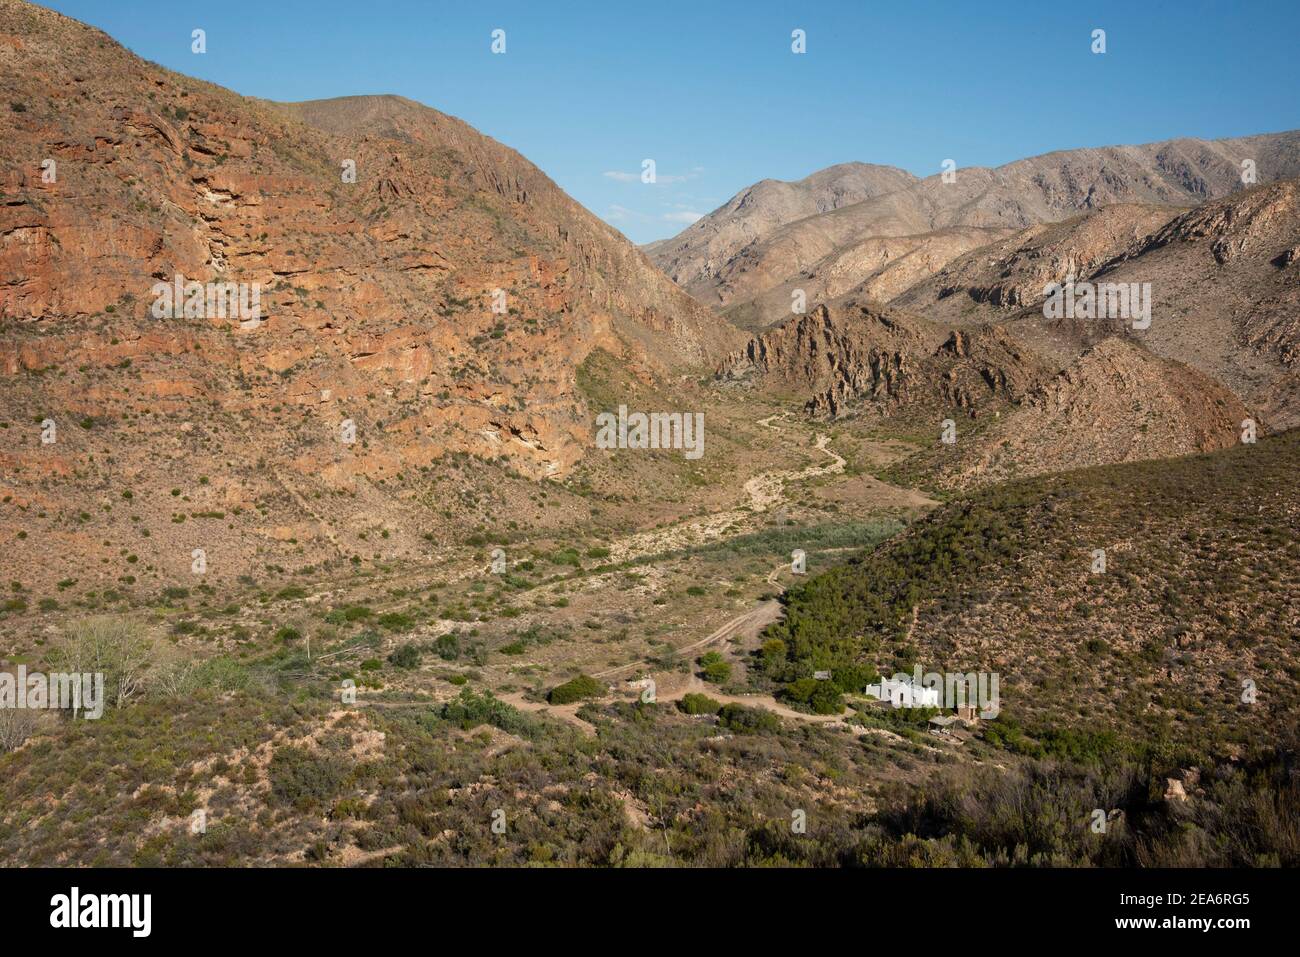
[
  {"x": 577, "y": 689},
  {"x": 742, "y": 720},
  {"x": 407, "y": 656},
  {"x": 356, "y": 613},
  {"x": 716, "y": 669},
  {"x": 772, "y": 654},
  {"x": 470, "y": 710},
  {"x": 448, "y": 647},
  {"x": 823, "y": 697},
  {"x": 396, "y": 621},
  {"x": 303, "y": 779},
  {"x": 693, "y": 703}
]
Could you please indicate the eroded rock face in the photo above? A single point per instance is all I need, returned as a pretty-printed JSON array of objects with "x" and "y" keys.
[
  {"x": 1012, "y": 273},
  {"x": 441, "y": 301},
  {"x": 858, "y": 356},
  {"x": 386, "y": 281},
  {"x": 1117, "y": 403}
]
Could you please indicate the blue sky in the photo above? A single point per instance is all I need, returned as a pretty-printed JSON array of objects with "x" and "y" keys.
[{"x": 711, "y": 91}]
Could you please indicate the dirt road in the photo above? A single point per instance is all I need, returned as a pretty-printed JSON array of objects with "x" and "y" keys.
[{"x": 751, "y": 623}]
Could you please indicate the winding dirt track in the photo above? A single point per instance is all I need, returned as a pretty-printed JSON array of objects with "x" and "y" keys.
[
  {"x": 756, "y": 619},
  {"x": 763, "y": 491}
]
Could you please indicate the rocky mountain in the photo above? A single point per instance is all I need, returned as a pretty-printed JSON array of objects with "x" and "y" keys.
[
  {"x": 1013, "y": 413},
  {"x": 694, "y": 257},
  {"x": 853, "y": 355},
  {"x": 360, "y": 287},
  {"x": 1010, "y": 274},
  {"x": 1037, "y": 190},
  {"x": 878, "y": 268},
  {"x": 1224, "y": 290},
  {"x": 1116, "y": 403}
]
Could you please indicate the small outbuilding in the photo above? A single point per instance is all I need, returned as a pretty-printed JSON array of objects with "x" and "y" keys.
[{"x": 944, "y": 724}]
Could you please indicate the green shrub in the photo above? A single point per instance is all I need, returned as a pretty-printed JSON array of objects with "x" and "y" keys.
[
  {"x": 742, "y": 720},
  {"x": 577, "y": 689},
  {"x": 396, "y": 621},
  {"x": 303, "y": 779},
  {"x": 822, "y": 697},
  {"x": 716, "y": 669},
  {"x": 407, "y": 656},
  {"x": 693, "y": 703},
  {"x": 471, "y": 709}
]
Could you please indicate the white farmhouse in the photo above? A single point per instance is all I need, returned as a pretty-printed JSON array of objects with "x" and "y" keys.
[{"x": 902, "y": 692}]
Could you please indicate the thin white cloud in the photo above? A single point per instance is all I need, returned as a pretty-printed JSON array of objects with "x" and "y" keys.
[
  {"x": 618, "y": 213},
  {"x": 687, "y": 216},
  {"x": 661, "y": 179}
]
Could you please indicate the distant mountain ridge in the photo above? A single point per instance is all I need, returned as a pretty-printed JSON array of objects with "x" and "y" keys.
[
  {"x": 694, "y": 257},
  {"x": 1040, "y": 189}
]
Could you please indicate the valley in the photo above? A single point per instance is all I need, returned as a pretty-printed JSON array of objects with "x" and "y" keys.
[{"x": 390, "y": 563}]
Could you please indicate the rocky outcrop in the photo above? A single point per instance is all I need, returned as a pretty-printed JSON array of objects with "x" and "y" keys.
[
  {"x": 420, "y": 289},
  {"x": 1117, "y": 403},
  {"x": 858, "y": 356},
  {"x": 1011, "y": 274}
]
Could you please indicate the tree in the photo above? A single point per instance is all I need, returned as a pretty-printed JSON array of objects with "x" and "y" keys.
[
  {"x": 117, "y": 648},
  {"x": 16, "y": 727}
]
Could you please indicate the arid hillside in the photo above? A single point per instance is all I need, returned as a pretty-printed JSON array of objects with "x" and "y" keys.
[
  {"x": 694, "y": 256},
  {"x": 878, "y": 268},
  {"x": 1116, "y": 403},
  {"x": 1215, "y": 344},
  {"x": 1156, "y": 600},
  {"x": 853, "y": 356},
  {"x": 1031, "y": 191},
  {"x": 411, "y": 290},
  {"x": 1223, "y": 281},
  {"x": 1010, "y": 274}
]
